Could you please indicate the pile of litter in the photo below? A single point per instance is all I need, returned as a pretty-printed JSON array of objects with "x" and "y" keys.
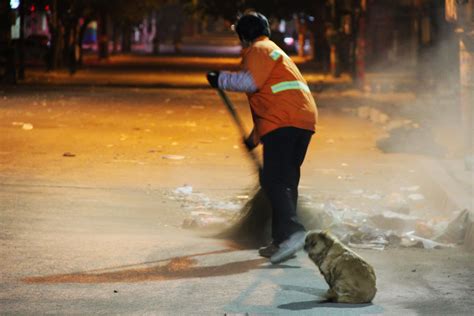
[
  {"x": 205, "y": 213},
  {"x": 388, "y": 229},
  {"x": 391, "y": 228}
]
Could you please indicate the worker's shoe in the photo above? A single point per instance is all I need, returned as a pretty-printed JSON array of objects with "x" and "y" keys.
[
  {"x": 289, "y": 247},
  {"x": 268, "y": 251}
]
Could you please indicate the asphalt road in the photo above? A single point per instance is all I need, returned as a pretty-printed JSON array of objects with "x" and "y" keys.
[{"x": 89, "y": 223}]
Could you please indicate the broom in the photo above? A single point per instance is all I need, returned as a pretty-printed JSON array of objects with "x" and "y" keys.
[{"x": 251, "y": 226}]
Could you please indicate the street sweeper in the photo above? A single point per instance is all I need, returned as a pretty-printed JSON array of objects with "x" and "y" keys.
[{"x": 284, "y": 115}]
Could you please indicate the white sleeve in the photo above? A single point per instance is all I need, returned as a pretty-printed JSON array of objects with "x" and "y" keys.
[{"x": 241, "y": 81}]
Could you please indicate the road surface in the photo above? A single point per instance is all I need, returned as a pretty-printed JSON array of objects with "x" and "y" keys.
[{"x": 90, "y": 222}]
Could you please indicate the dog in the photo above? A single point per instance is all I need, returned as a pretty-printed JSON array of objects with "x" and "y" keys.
[{"x": 350, "y": 279}]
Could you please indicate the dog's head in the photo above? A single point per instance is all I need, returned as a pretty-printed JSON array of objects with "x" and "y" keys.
[{"x": 317, "y": 242}]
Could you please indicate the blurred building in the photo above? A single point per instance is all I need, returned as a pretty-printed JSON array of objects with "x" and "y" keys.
[
  {"x": 405, "y": 32},
  {"x": 36, "y": 22}
]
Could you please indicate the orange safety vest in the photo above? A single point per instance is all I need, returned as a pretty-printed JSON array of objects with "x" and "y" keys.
[{"x": 283, "y": 97}]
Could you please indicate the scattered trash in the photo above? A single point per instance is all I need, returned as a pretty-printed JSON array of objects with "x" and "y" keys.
[
  {"x": 345, "y": 177},
  {"x": 394, "y": 124},
  {"x": 27, "y": 126},
  {"x": 205, "y": 221},
  {"x": 395, "y": 202},
  {"x": 367, "y": 246},
  {"x": 372, "y": 114},
  {"x": 227, "y": 206},
  {"x": 469, "y": 236},
  {"x": 394, "y": 221},
  {"x": 456, "y": 230},
  {"x": 393, "y": 227},
  {"x": 424, "y": 229},
  {"x": 363, "y": 112},
  {"x": 410, "y": 189},
  {"x": 186, "y": 189},
  {"x": 17, "y": 123},
  {"x": 204, "y": 212},
  {"x": 68, "y": 154},
  {"x": 416, "y": 197},
  {"x": 377, "y": 116},
  {"x": 172, "y": 157},
  {"x": 411, "y": 243},
  {"x": 373, "y": 196},
  {"x": 427, "y": 243}
]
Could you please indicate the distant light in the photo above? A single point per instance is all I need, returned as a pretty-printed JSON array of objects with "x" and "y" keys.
[
  {"x": 311, "y": 18},
  {"x": 32, "y": 8},
  {"x": 46, "y": 7},
  {"x": 282, "y": 26},
  {"x": 289, "y": 40},
  {"x": 14, "y": 4}
]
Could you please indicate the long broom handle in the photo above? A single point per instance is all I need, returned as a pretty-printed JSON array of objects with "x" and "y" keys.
[{"x": 240, "y": 125}]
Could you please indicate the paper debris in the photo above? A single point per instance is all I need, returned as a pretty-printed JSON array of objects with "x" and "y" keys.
[
  {"x": 186, "y": 189},
  {"x": 172, "y": 157},
  {"x": 27, "y": 126},
  {"x": 416, "y": 197}
]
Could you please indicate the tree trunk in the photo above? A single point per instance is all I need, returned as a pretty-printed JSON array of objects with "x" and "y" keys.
[
  {"x": 301, "y": 27},
  {"x": 103, "y": 46},
  {"x": 466, "y": 45},
  {"x": 80, "y": 39},
  {"x": 55, "y": 27},
  {"x": 67, "y": 41},
  {"x": 361, "y": 46},
  {"x": 334, "y": 61},
  {"x": 72, "y": 47},
  {"x": 9, "y": 74},
  {"x": 467, "y": 97},
  {"x": 126, "y": 39},
  {"x": 321, "y": 46},
  {"x": 21, "y": 66},
  {"x": 115, "y": 39}
]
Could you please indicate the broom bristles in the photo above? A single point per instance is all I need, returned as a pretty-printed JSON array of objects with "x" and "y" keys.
[{"x": 251, "y": 227}]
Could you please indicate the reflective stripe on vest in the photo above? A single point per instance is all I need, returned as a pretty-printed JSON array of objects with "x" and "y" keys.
[
  {"x": 275, "y": 54},
  {"x": 289, "y": 85}
]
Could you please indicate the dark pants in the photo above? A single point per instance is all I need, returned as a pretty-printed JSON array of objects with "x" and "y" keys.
[{"x": 284, "y": 150}]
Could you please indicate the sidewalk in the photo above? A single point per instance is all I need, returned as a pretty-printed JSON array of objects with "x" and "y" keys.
[{"x": 160, "y": 72}]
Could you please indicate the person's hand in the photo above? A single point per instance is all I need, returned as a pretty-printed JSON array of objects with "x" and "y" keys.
[
  {"x": 249, "y": 143},
  {"x": 213, "y": 78}
]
